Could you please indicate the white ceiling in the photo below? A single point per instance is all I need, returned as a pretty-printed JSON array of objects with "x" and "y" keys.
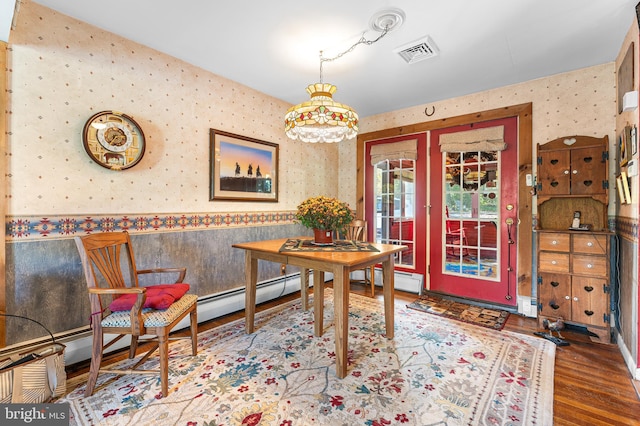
[{"x": 273, "y": 46}]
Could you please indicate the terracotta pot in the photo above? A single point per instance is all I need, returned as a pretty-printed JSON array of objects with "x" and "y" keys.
[{"x": 322, "y": 236}]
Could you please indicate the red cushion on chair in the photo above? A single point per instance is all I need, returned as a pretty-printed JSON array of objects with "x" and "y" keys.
[{"x": 159, "y": 296}]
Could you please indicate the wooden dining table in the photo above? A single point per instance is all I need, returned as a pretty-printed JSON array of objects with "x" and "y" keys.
[{"x": 340, "y": 264}]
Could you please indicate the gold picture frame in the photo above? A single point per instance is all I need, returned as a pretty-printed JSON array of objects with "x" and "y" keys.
[
  {"x": 625, "y": 186},
  {"x": 623, "y": 199}
]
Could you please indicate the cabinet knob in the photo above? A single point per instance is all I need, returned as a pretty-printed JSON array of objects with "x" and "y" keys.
[
  {"x": 575, "y": 299},
  {"x": 554, "y": 242},
  {"x": 554, "y": 262},
  {"x": 566, "y": 172},
  {"x": 567, "y": 297},
  {"x": 575, "y": 172},
  {"x": 589, "y": 265},
  {"x": 590, "y": 244}
]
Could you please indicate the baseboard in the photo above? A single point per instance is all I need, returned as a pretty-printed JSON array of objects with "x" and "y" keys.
[{"x": 628, "y": 358}]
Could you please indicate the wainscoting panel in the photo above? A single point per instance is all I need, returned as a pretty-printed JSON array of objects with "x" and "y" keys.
[{"x": 44, "y": 278}]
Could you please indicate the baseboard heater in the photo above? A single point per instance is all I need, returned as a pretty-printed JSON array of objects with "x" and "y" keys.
[
  {"x": 405, "y": 281},
  {"x": 78, "y": 343}
]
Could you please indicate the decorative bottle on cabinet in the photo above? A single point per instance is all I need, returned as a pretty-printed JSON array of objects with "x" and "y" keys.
[{"x": 573, "y": 240}]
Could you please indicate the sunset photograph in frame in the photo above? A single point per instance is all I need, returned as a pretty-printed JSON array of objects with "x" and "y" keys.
[{"x": 242, "y": 168}]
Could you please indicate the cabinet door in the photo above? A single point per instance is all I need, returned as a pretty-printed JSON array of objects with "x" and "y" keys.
[
  {"x": 555, "y": 295},
  {"x": 554, "y": 173},
  {"x": 588, "y": 171},
  {"x": 590, "y": 302}
]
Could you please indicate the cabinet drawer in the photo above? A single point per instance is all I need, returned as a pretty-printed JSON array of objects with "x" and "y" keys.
[
  {"x": 553, "y": 262},
  {"x": 589, "y": 265},
  {"x": 555, "y": 242},
  {"x": 592, "y": 244}
]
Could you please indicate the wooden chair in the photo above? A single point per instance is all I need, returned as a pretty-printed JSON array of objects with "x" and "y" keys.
[
  {"x": 455, "y": 235},
  {"x": 103, "y": 257},
  {"x": 357, "y": 231}
]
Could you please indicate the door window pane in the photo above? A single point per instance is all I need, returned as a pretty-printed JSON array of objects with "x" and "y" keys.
[
  {"x": 394, "y": 191},
  {"x": 472, "y": 201}
]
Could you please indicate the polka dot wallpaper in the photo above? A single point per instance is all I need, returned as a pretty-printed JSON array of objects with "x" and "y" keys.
[
  {"x": 62, "y": 71},
  {"x": 578, "y": 102}
]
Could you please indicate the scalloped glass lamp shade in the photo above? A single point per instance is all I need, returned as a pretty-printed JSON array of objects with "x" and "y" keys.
[{"x": 321, "y": 119}]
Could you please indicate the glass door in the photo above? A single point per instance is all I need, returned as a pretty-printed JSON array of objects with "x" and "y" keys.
[
  {"x": 394, "y": 190},
  {"x": 473, "y": 218},
  {"x": 395, "y": 201}
]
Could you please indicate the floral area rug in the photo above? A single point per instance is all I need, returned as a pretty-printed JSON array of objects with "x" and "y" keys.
[
  {"x": 484, "y": 317},
  {"x": 434, "y": 372}
]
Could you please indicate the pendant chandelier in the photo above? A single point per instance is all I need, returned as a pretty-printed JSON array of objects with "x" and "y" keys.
[{"x": 321, "y": 119}]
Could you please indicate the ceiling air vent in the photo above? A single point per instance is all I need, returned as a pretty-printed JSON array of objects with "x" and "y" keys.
[{"x": 418, "y": 50}]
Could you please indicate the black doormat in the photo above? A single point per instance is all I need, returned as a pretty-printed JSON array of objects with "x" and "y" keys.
[{"x": 477, "y": 315}]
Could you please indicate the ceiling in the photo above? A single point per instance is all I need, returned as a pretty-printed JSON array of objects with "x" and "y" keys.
[{"x": 273, "y": 46}]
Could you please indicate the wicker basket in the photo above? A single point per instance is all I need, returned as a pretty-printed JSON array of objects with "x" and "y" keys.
[{"x": 34, "y": 375}]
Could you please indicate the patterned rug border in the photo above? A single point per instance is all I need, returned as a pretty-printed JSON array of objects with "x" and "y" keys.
[
  {"x": 541, "y": 372},
  {"x": 499, "y": 320}
]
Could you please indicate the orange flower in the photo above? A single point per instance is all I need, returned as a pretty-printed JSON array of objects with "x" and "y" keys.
[{"x": 324, "y": 213}]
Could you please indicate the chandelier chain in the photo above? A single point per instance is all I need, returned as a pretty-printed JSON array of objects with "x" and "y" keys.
[{"x": 362, "y": 40}]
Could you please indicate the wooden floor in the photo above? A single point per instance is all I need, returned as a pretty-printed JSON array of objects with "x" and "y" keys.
[{"x": 592, "y": 384}]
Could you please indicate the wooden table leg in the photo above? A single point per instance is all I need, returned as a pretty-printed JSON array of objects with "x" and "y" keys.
[
  {"x": 304, "y": 288},
  {"x": 388, "y": 289},
  {"x": 251, "y": 278},
  {"x": 341, "y": 318},
  {"x": 318, "y": 302}
]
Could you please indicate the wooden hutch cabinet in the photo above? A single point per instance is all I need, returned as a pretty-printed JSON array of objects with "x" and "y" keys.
[{"x": 574, "y": 265}]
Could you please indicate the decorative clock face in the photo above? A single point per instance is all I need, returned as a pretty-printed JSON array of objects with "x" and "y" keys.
[{"x": 113, "y": 140}]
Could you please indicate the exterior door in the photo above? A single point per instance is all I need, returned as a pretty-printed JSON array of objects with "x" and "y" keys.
[
  {"x": 396, "y": 200},
  {"x": 473, "y": 218}
]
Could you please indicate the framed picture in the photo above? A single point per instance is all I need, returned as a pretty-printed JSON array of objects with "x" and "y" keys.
[
  {"x": 623, "y": 199},
  {"x": 623, "y": 152},
  {"x": 625, "y": 186},
  {"x": 634, "y": 140},
  {"x": 242, "y": 168}
]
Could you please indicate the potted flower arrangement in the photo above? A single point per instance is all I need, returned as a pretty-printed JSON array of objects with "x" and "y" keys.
[{"x": 324, "y": 215}]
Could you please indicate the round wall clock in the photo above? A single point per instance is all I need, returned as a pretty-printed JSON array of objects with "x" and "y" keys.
[{"x": 113, "y": 140}]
